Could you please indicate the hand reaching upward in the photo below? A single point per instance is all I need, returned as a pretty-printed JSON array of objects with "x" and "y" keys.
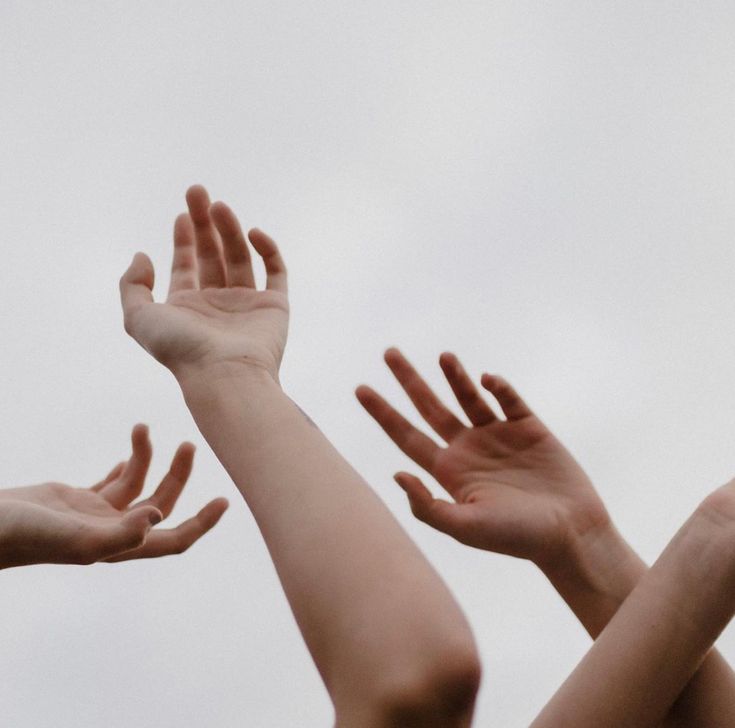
[
  {"x": 213, "y": 315},
  {"x": 58, "y": 524},
  {"x": 516, "y": 489}
]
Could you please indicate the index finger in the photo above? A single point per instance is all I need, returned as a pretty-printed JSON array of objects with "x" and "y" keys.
[{"x": 417, "y": 445}]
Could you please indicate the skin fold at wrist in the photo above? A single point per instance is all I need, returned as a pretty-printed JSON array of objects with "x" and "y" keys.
[
  {"x": 211, "y": 373},
  {"x": 595, "y": 575}
]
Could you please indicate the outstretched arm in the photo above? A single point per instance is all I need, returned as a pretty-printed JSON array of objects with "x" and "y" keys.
[
  {"x": 388, "y": 639},
  {"x": 516, "y": 490},
  {"x": 659, "y": 637},
  {"x": 57, "y": 524}
]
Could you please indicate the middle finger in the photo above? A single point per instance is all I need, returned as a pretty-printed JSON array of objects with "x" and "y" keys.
[
  {"x": 431, "y": 408},
  {"x": 208, "y": 244}
]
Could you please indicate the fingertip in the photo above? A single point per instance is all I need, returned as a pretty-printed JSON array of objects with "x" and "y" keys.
[
  {"x": 195, "y": 192},
  {"x": 197, "y": 199},
  {"x": 392, "y": 354},
  {"x": 218, "y": 208},
  {"x": 220, "y": 505},
  {"x": 487, "y": 380},
  {"x": 406, "y": 481},
  {"x": 141, "y": 519},
  {"x": 210, "y": 515},
  {"x": 494, "y": 382},
  {"x": 223, "y": 217},
  {"x": 183, "y": 461},
  {"x": 140, "y": 433},
  {"x": 140, "y": 270},
  {"x": 187, "y": 448},
  {"x": 182, "y": 227},
  {"x": 403, "y": 484},
  {"x": 448, "y": 360},
  {"x": 263, "y": 243}
]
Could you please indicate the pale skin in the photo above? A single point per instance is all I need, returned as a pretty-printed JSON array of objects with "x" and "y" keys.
[
  {"x": 661, "y": 634},
  {"x": 516, "y": 490},
  {"x": 389, "y": 641},
  {"x": 53, "y": 523},
  {"x": 391, "y": 644}
]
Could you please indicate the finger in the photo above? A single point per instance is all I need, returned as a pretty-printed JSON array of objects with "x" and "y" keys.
[
  {"x": 168, "y": 492},
  {"x": 130, "y": 532},
  {"x": 453, "y": 519},
  {"x": 114, "y": 473},
  {"x": 275, "y": 268},
  {"x": 136, "y": 286},
  {"x": 513, "y": 406},
  {"x": 475, "y": 407},
  {"x": 441, "y": 420},
  {"x": 184, "y": 264},
  {"x": 129, "y": 485},
  {"x": 164, "y": 542},
  {"x": 418, "y": 446},
  {"x": 208, "y": 246},
  {"x": 237, "y": 256}
]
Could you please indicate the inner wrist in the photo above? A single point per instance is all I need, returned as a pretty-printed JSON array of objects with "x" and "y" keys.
[
  {"x": 600, "y": 561},
  {"x": 223, "y": 372}
]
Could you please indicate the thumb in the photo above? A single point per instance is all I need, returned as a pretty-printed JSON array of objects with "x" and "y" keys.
[
  {"x": 130, "y": 532},
  {"x": 136, "y": 285},
  {"x": 449, "y": 518}
]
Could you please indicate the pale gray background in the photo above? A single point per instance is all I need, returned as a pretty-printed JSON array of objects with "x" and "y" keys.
[{"x": 543, "y": 187}]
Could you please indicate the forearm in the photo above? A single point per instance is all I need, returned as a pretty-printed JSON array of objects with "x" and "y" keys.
[
  {"x": 656, "y": 641},
  {"x": 379, "y": 623},
  {"x": 596, "y": 587}
]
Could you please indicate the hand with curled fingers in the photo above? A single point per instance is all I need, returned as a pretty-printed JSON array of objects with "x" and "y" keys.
[
  {"x": 58, "y": 524},
  {"x": 213, "y": 315},
  {"x": 516, "y": 489}
]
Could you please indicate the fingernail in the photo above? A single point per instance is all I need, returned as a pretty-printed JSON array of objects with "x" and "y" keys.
[{"x": 155, "y": 518}]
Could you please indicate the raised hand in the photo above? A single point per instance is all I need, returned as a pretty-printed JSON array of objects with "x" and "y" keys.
[
  {"x": 515, "y": 488},
  {"x": 57, "y": 524},
  {"x": 213, "y": 314}
]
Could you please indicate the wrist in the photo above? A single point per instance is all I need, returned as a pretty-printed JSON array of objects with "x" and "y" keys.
[
  {"x": 205, "y": 375},
  {"x": 594, "y": 576}
]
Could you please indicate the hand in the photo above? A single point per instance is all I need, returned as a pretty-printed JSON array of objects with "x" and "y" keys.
[
  {"x": 57, "y": 524},
  {"x": 213, "y": 313},
  {"x": 516, "y": 488}
]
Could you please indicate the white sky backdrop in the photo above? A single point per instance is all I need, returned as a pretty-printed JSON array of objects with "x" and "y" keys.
[{"x": 544, "y": 188}]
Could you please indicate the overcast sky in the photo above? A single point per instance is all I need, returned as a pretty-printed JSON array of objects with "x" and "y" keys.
[{"x": 544, "y": 188}]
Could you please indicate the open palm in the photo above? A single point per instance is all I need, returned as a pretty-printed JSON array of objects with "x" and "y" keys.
[
  {"x": 213, "y": 312},
  {"x": 515, "y": 487},
  {"x": 56, "y": 523}
]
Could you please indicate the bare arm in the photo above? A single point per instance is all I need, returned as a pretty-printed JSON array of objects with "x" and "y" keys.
[
  {"x": 661, "y": 634},
  {"x": 516, "y": 490},
  {"x": 597, "y": 583},
  {"x": 388, "y": 639}
]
